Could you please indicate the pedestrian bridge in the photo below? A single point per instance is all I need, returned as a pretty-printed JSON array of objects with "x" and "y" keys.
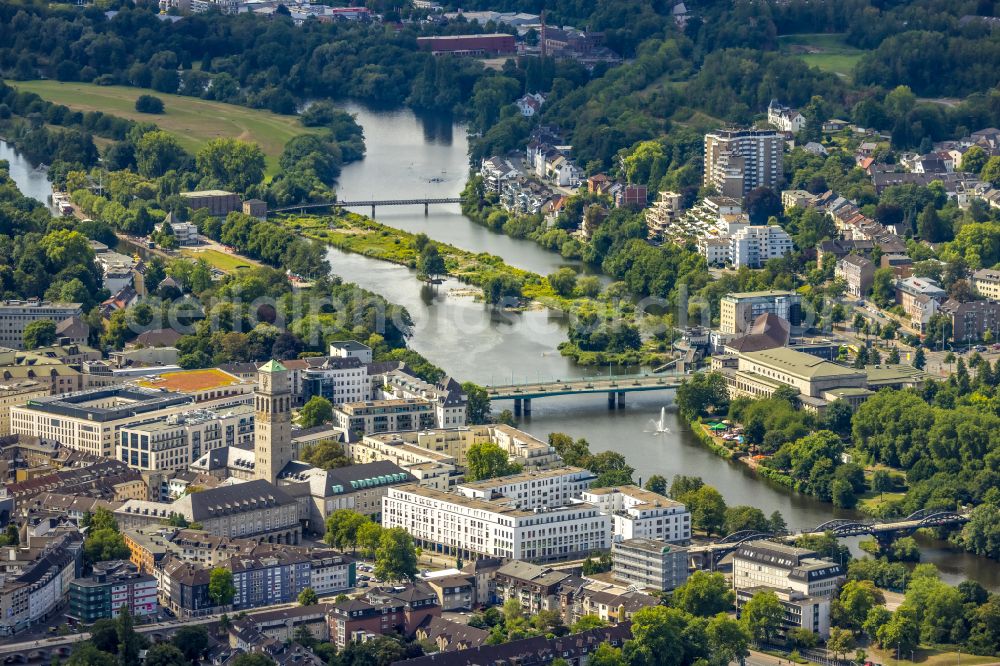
[{"x": 614, "y": 386}]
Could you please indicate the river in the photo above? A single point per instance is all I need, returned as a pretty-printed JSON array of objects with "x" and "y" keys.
[
  {"x": 410, "y": 157},
  {"x": 31, "y": 181}
]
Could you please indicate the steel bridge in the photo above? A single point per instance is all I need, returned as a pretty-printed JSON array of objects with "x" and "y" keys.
[{"x": 366, "y": 203}]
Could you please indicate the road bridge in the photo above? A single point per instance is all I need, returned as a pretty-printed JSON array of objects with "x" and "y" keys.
[
  {"x": 615, "y": 386},
  {"x": 426, "y": 202},
  {"x": 708, "y": 556}
]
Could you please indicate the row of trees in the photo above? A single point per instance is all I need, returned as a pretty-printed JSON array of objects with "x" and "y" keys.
[{"x": 393, "y": 549}]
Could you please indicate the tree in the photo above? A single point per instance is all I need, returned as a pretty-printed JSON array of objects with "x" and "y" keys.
[
  {"x": 165, "y": 654},
  {"x": 728, "y": 640},
  {"x": 854, "y": 603},
  {"x": 883, "y": 286},
  {"x": 506, "y": 417},
  {"x": 148, "y": 104},
  {"x": 315, "y": 412},
  {"x": 326, "y": 454},
  {"x": 192, "y": 640},
  {"x": 39, "y": 333},
  {"x": 991, "y": 171},
  {"x": 563, "y": 281},
  {"x": 486, "y": 460},
  {"x": 606, "y": 655},
  {"x": 369, "y": 535},
  {"x": 707, "y": 507},
  {"x": 919, "y": 359},
  {"x": 157, "y": 152},
  {"x": 762, "y": 616},
  {"x": 974, "y": 160},
  {"x": 477, "y": 409},
  {"x": 981, "y": 534},
  {"x": 396, "y": 556},
  {"x": 431, "y": 263},
  {"x": 573, "y": 452},
  {"x": 308, "y": 597},
  {"x": 232, "y": 163},
  {"x": 761, "y": 204},
  {"x": 901, "y": 632},
  {"x": 840, "y": 642},
  {"x": 129, "y": 641},
  {"x": 930, "y": 226},
  {"x": 657, "y": 484},
  {"x": 103, "y": 544},
  {"x": 661, "y": 637},
  {"x": 701, "y": 392},
  {"x": 776, "y": 523},
  {"x": 221, "y": 589},
  {"x": 342, "y": 528},
  {"x": 681, "y": 485},
  {"x": 586, "y": 623},
  {"x": 739, "y": 518},
  {"x": 86, "y": 654},
  {"x": 611, "y": 469},
  {"x": 254, "y": 659},
  {"x": 704, "y": 594}
]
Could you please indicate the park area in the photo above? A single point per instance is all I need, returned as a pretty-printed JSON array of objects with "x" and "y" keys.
[
  {"x": 227, "y": 263},
  {"x": 828, "y": 52},
  {"x": 192, "y": 121}
]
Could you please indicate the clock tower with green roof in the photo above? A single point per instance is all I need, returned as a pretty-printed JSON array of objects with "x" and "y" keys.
[{"x": 272, "y": 421}]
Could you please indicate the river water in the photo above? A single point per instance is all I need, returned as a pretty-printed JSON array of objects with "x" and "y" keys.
[{"x": 412, "y": 157}]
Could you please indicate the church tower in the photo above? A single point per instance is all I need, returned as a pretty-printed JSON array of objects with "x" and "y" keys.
[{"x": 272, "y": 421}]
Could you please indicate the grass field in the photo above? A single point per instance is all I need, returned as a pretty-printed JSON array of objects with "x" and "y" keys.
[
  {"x": 926, "y": 656},
  {"x": 224, "y": 262},
  {"x": 828, "y": 52},
  {"x": 192, "y": 121}
]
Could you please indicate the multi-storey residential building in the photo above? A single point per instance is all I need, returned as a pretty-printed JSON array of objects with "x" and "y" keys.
[
  {"x": 971, "y": 320},
  {"x": 16, "y": 315},
  {"x": 495, "y": 171},
  {"x": 857, "y": 272},
  {"x": 110, "y": 586},
  {"x": 987, "y": 282},
  {"x": 537, "y": 489},
  {"x": 457, "y": 525},
  {"x": 37, "y": 591},
  {"x": 800, "y": 611},
  {"x": 738, "y": 161},
  {"x": 275, "y": 577},
  {"x": 920, "y": 298},
  {"x": 382, "y": 611},
  {"x": 650, "y": 563},
  {"x": 640, "y": 513},
  {"x": 175, "y": 441},
  {"x": 664, "y": 212},
  {"x": 377, "y": 416},
  {"x": 535, "y": 587},
  {"x": 447, "y": 396},
  {"x": 90, "y": 420},
  {"x": 785, "y": 118},
  {"x": 739, "y": 310},
  {"x": 753, "y": 246},
  {"x": 351, "y": 349}
]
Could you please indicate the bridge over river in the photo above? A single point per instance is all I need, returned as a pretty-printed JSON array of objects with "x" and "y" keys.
[
  {"x": 614, "y": 386},
  {"x": 708, "y": 555},
  {"x": 366, "y": 203}
]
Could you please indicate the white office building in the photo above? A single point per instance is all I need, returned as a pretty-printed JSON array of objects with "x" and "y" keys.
[
  {"x": 638, "y": 513},
  {"x": 16, "y": 315},
  {"x": 175, "y": 441},
  {"x": 777, "y": 565},
  {"x": 453, "y": 524}
]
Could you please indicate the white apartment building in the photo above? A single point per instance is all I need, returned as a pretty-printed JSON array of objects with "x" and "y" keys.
[
  {"x": 753, "y": 246},
  {"x": 338, "y": 379},
  {"x": 642, "y": 514},
  {"x": 453, "y": 524},
  {"x": 89, "y": 420},
  {"x": 780, "y": 566},
  {"x": 378, "y": 416},
  {"x": 175, "y": 441},
  {"x": 539, "y": 489},
  {"x": 351, "y": 349},
  {"x": 785, "y": 118},
  {"x": 16, "y": 315},
  {"x": 987, "y": 283}
]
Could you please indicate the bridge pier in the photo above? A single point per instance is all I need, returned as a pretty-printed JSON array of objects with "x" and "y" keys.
[
  {"x": 427, "y": 209},
  {"x": 611, "y": 399},
  {"x": 621, "y": 400},
  {"x": 527, "y": 406},
  {"x": 373, "y": 211},
  {"x": 517, "y": 406}
]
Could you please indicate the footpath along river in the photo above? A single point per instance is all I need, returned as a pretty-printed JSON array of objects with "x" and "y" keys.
[{"x": 408, "y": 157}]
